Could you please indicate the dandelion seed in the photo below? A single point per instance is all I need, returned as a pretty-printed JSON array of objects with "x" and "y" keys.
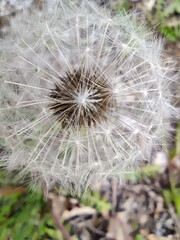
[{"x": 85, "y": 96}]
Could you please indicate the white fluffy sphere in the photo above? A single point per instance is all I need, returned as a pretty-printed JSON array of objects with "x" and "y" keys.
[{"x": 86, "y": 96}]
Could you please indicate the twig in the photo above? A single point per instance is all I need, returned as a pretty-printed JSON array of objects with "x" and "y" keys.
[
  {"x": 58, "y": 205},
  {"x": 60, "y": 226},
  {"x": 114, "y": 196}
]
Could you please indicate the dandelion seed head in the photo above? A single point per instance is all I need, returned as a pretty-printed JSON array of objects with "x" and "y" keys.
[{"x": 86, "y": 96}]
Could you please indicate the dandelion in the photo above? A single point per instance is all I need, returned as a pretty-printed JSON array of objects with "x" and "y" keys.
[{"x": 86, "y": 95}]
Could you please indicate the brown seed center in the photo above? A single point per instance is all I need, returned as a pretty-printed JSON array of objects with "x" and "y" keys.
[{"x": 80, "y": 98}]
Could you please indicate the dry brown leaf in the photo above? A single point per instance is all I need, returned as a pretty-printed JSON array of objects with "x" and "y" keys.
[{"x": 9, "y": 190}]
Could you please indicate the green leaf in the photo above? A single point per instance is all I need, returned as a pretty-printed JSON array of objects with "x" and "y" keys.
[
  {"x": 25, "y": 215},
  {"x": 139, "y": 237},
  {"x": 169, "y": 32},
  {"x": 95, "y": 200},
  {"x": 122, "y": 5},
  {"x": 167, "y": 195},
  {"x": 176, "y": 199}
]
